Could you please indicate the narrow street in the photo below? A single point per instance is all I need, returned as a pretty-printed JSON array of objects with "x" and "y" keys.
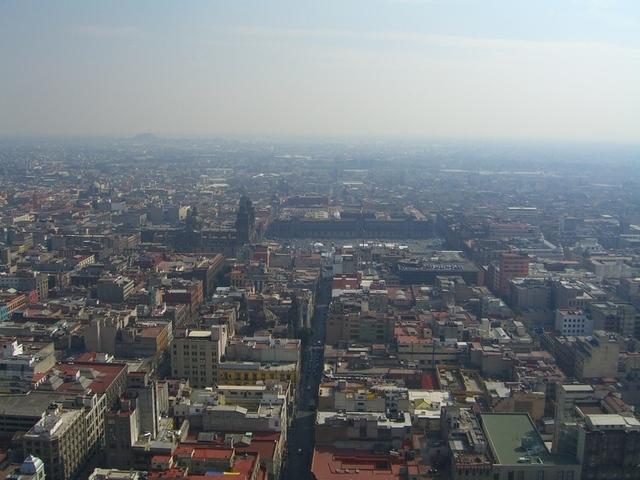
[{"x": 301, "y": 439}]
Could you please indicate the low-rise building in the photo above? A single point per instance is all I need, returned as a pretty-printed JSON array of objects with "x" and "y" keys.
[
  {"x": 144, "y": 339},
  {"x": 573, "y": 323},
  {"x": 331, "y": 463},
  {"x": 363, "y": 430},
  {"x": 115, "y": 474},
  {"x": 115, "y": 289},
  {"x": 31, "y": 469},
  {"x": 264, "y": 349},
  {"x": 248, "y": 373},
  {"x": 27, "y": 281},
  {"x": 359, "y": 327},
  {"x": 518, "y": 452},
  {"x": 596, "y": 356},
  {"x": 622, "y": 318},
  {"x": 607, "y": 445},
  {"x": 21, "y": 362},
  {"x": 263, "y": 407},
  {"x": 11, "y": 302}
]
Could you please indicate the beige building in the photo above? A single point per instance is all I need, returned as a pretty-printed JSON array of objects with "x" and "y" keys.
[
  {"x": 102, "y": 332},
  {"x": 264, "y": 349},
  {"x": 270, "y": 393},
  {"x": 428, "y": 352},
  {"x": 196, "y": 356},
  {"x": 615, "y": 317},
  {"x": 244, "y": 408},
  {"x": 359, "y": 327},
  {"x": 60, "y": 440},
  {"x": 92, "y": 387},
  {"x": 507, "y": 399},
  {"x": 358, "y": 396},
  {"x": 114, "y": 474},
  {"x": 597, "y": 356}
]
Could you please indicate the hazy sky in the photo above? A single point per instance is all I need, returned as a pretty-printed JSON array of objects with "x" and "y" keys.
[{"x": 558, "y": 69}]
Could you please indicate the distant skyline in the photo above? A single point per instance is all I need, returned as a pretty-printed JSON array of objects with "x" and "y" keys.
[{"x": 493, "y": 69}]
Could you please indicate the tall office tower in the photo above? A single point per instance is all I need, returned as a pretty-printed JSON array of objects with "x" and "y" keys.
[{"x": 246, "y": 220}]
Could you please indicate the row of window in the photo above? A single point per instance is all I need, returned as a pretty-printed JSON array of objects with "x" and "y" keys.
[{"x": 540, "y": 475}]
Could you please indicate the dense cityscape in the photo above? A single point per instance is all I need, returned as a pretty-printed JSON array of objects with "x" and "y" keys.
[{"x": 186, "y": 309}]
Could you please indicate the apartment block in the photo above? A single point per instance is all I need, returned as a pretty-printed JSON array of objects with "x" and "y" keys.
[
  {"x": 60, "y": 440},
  {"x": 197, "y": 355}
]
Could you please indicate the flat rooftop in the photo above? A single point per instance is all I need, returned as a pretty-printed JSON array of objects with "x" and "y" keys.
[
  {"x": 32, "y": 404},
  {"x": 612, "y": 421},
  {"x": 200, "y": 334},
  {"x": 513, "y": 437},
  {"x": 331, "y": 463},
  {"x": 577, "y": 388}
]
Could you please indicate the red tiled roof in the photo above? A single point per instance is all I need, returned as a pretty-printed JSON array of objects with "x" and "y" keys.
[
  {"x": 265, "y": 448},
  {"x": 428, "y": 381},
  {"x": 107, "y": 373},
  {"x": 167, "y": 474},
  {"x": 161, "y": 458},
  {"x": 86, "y": 357},
  {"x": 242, "y": 469},
  {"x": 331, "y": 463},
  {"x": 184, "y": 449},
  {"x": 217, "y": 453}
]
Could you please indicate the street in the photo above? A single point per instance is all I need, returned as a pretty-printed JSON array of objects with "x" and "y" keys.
[{"x": 301, "y": 439}]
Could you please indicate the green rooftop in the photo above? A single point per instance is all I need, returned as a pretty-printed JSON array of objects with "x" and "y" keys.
[{"x": 514, "y": 440}]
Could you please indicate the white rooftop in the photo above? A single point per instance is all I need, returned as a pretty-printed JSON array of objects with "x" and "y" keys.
[
  {"x": 612, "y": 420},
  {"x": 577, "y": 388},
  {"x": 199, "y": 334}
]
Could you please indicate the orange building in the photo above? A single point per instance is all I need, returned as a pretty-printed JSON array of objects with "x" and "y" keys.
[{"x": 512, "y": 265}]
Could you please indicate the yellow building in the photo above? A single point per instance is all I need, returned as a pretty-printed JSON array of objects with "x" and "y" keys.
[{"x": 248, "y": 373}]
